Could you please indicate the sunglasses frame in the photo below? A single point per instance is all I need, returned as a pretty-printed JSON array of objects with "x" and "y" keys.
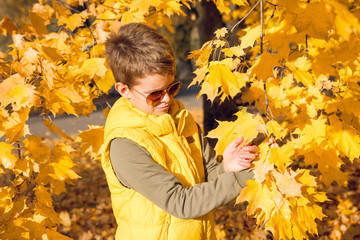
[{"x": 161, "y": 93}]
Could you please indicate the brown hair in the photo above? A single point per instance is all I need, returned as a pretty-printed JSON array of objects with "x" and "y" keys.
[{"x": 136, "y": 51}]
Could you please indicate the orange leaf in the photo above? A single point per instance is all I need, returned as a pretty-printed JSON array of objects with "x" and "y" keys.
[
  {"x": 7, "y": 27},
  {"x": 92, "y": 140},
  {"x": 38, "y": 23},
  {"x": 7, "y": 158}
]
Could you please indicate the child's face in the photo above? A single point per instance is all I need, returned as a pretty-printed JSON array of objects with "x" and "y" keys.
[{"x": 147, "y": 85}]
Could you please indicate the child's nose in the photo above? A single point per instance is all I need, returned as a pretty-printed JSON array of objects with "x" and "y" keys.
[{"x": 166, "y": 97}]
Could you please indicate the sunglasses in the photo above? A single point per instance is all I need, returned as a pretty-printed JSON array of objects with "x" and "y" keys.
[{"x": 154, "y": 98}]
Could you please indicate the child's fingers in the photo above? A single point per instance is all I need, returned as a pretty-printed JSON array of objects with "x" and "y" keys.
[
  {"x": 252, "y": 149},
  {"x": 235, "y": 143},
  {"x": 244, "y": 164},
  {"x": 247, "y": 156}
]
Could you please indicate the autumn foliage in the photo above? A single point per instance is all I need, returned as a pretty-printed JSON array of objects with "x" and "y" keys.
[{"x": 295, "y": 68}]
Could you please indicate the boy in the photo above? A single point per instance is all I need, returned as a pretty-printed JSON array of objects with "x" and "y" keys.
[{"x": 162, "y": 174}]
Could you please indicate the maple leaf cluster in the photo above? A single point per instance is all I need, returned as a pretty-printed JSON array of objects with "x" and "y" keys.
[
  {"x": 56, "y": 66},
  {"x": 297, "y": 67}
]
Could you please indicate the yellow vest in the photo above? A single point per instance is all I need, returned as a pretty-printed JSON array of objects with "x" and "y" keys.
[{"x": 173, "y": 141}]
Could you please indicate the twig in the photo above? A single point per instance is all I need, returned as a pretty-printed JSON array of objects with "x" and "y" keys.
[
  {"x": 90, "y": 45},
  {"x": 268, "y": 110},
  {"x": 237, "y": 24},
  {"x": 101, "y": 93},
  {"x": 19, "y": 150},
  {"x": 307, "y": 46}
]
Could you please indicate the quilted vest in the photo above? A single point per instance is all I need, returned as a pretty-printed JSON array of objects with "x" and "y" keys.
[{"x": 173, "y": 141}]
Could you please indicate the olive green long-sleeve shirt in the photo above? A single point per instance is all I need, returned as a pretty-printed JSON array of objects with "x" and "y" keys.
[{"x": 135, "y": 169}]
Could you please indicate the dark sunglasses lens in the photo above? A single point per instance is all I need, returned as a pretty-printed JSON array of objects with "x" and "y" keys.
[
  {"x": 155, "y": 97},
  {"x": 174, "y": 89}
]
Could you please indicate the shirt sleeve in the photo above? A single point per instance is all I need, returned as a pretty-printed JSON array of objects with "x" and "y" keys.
[
  {"x": 135, "y": 169},
  {"x": 212, "y": 167}
]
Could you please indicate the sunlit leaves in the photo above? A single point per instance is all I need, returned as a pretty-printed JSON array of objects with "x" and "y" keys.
[
  {"x": 309, "y": 67},
  {"x": 56, "y": 65},
  {"x": 303, "y": 78}
]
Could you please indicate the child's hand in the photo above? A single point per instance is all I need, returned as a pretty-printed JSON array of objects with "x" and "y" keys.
[{"x": 238, "y": 156}]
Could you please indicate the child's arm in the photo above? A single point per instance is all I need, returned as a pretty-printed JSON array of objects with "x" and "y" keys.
[{"x": 136, "y": 169}]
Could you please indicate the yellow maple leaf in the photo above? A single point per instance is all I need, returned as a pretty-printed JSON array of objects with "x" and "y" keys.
[
  {"x": 208, "y": 90},
  {"x": 108, "y": 15},
  {"x": 19, "y": 41},
  {"x": 7, "y": 27},
  {"x": 280, "y": 223},
  {"x": 241, "y": 2},
  {"x": 287, "y": 183},
  {"x": 346, "y": 21},
  {"x": 61, "y": 11},
  {"x": 91, "y": 140},
  {"x": 219, "y": 33},
  {"x": 94, "y": 66},
  {"x": 236, "y": 50},
  {"x": 54, "y": 234},
  {"x": 58, "y": 103},
  {"x": 304, "y": 77},
  {"x": 15, "y": 125},
  {"x": 202, "y": 55},
  {"x": 280, "y": 156},
  {"x": 7, "y": 158},
  {"x": 38, "y": 23},
  {"x": 43, "y": 196},
  {"x": 62, "y": 164},
  {"x": 304, "y": 177},
  {"x": 30, "y": 57},
  {"x": 105, "y": 83},
  {"x": 315, "y": 131},
  {"x": 261, "y": 166},
  {"x": 275, "y": 128},
  {"x": 330, "y": 169},
  {"x": 252, "y": 34},
  {"x": 74, "y": 21},
  {"x": 226, "y": 132},
  {"x": 51, "y": 53},
  {"x": 221, "y": 76},
  {"x": 222, "y": 6},
  {"x": 171, "y": 7},
  {"x": 347, "y": 141},
  {"x": 14, "y": 91},
  {"x": 306, "y": 216},
  {"x": 35, "y": 148},
  {"x": 200, "y": 75},
  {"x": 263, "y": 67},
  {"x": 263, "y": 199}
]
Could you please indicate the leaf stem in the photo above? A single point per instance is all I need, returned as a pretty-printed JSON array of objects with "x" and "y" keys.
[{"x": 307, "y": 46}]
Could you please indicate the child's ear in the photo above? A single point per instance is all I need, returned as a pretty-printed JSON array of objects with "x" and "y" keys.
[{"x": 123, "y": 89}]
